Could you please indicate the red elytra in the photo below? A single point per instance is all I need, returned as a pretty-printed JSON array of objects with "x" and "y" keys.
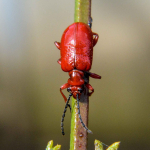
[{"x": 76, "y": 47}]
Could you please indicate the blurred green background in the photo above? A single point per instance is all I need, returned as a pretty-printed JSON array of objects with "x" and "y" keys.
[{"x": 30, "y": 77}]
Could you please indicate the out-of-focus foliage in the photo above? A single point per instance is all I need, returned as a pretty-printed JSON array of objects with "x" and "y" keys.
[
  {"x": 51, "y": 147},
  {"x": 114, "y": 146},
  {"x": 99, "y": 145}
]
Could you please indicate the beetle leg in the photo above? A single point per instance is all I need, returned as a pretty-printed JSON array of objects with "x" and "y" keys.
[
  {"x": 57, "y": 44},
  {"x": 96, "y": 76},
  {"x": 95, "y": 38},
  {"x": 59, "y": 61},
  {"x": 62, "y": 88},
  {"x": 90, "y": 88},
  {"x": 93, "y": 75}
]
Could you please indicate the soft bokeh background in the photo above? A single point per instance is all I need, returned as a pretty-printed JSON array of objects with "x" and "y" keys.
[{"x": 30, "y": 103}]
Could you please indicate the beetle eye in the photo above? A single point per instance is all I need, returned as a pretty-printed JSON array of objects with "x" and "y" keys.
[
  {"x": 80, "y": 90},
  {"x": 68, "y": 89}
]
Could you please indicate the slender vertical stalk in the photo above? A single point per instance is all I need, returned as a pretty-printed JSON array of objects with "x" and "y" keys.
[
  {"x": 79, "y": 136},
  {"x": 82, "y": 11}
]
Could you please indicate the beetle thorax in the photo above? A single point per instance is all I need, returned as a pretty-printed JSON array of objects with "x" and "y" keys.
[{"x": 76, "y": 78}]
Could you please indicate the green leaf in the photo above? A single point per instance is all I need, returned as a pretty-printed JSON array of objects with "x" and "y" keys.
[
  {"x": 114, "y": 146},
  {"x": 98, "y": 145},
  {"x": 57, "y": 147},
  {"x": 50, "y": 146}
]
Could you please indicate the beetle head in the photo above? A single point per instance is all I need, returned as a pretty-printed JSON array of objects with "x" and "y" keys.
[{"x": 75, "y": 90}]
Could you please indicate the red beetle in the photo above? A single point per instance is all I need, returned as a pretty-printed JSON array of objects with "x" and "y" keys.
[
  {"x": 76, "y": 47},
  {"x": 76, "y": 50}
]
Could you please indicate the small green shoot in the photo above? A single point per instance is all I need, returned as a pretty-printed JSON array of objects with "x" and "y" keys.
[
  {"x": 50, "y": 146},
  {"x": 114, "y": 146},
  {"x": 99, "y": 145}
]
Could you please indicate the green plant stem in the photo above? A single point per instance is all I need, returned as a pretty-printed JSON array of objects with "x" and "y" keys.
[
  {"x": 79, "y": 136},
  {"x": 82, "y": 11}
]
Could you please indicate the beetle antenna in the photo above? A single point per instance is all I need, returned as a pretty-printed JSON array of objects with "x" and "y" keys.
[
  {"x": 90, "y": 22},
  {"x": 89, "y": 131},
  {"x": 63, "y": 116}
]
